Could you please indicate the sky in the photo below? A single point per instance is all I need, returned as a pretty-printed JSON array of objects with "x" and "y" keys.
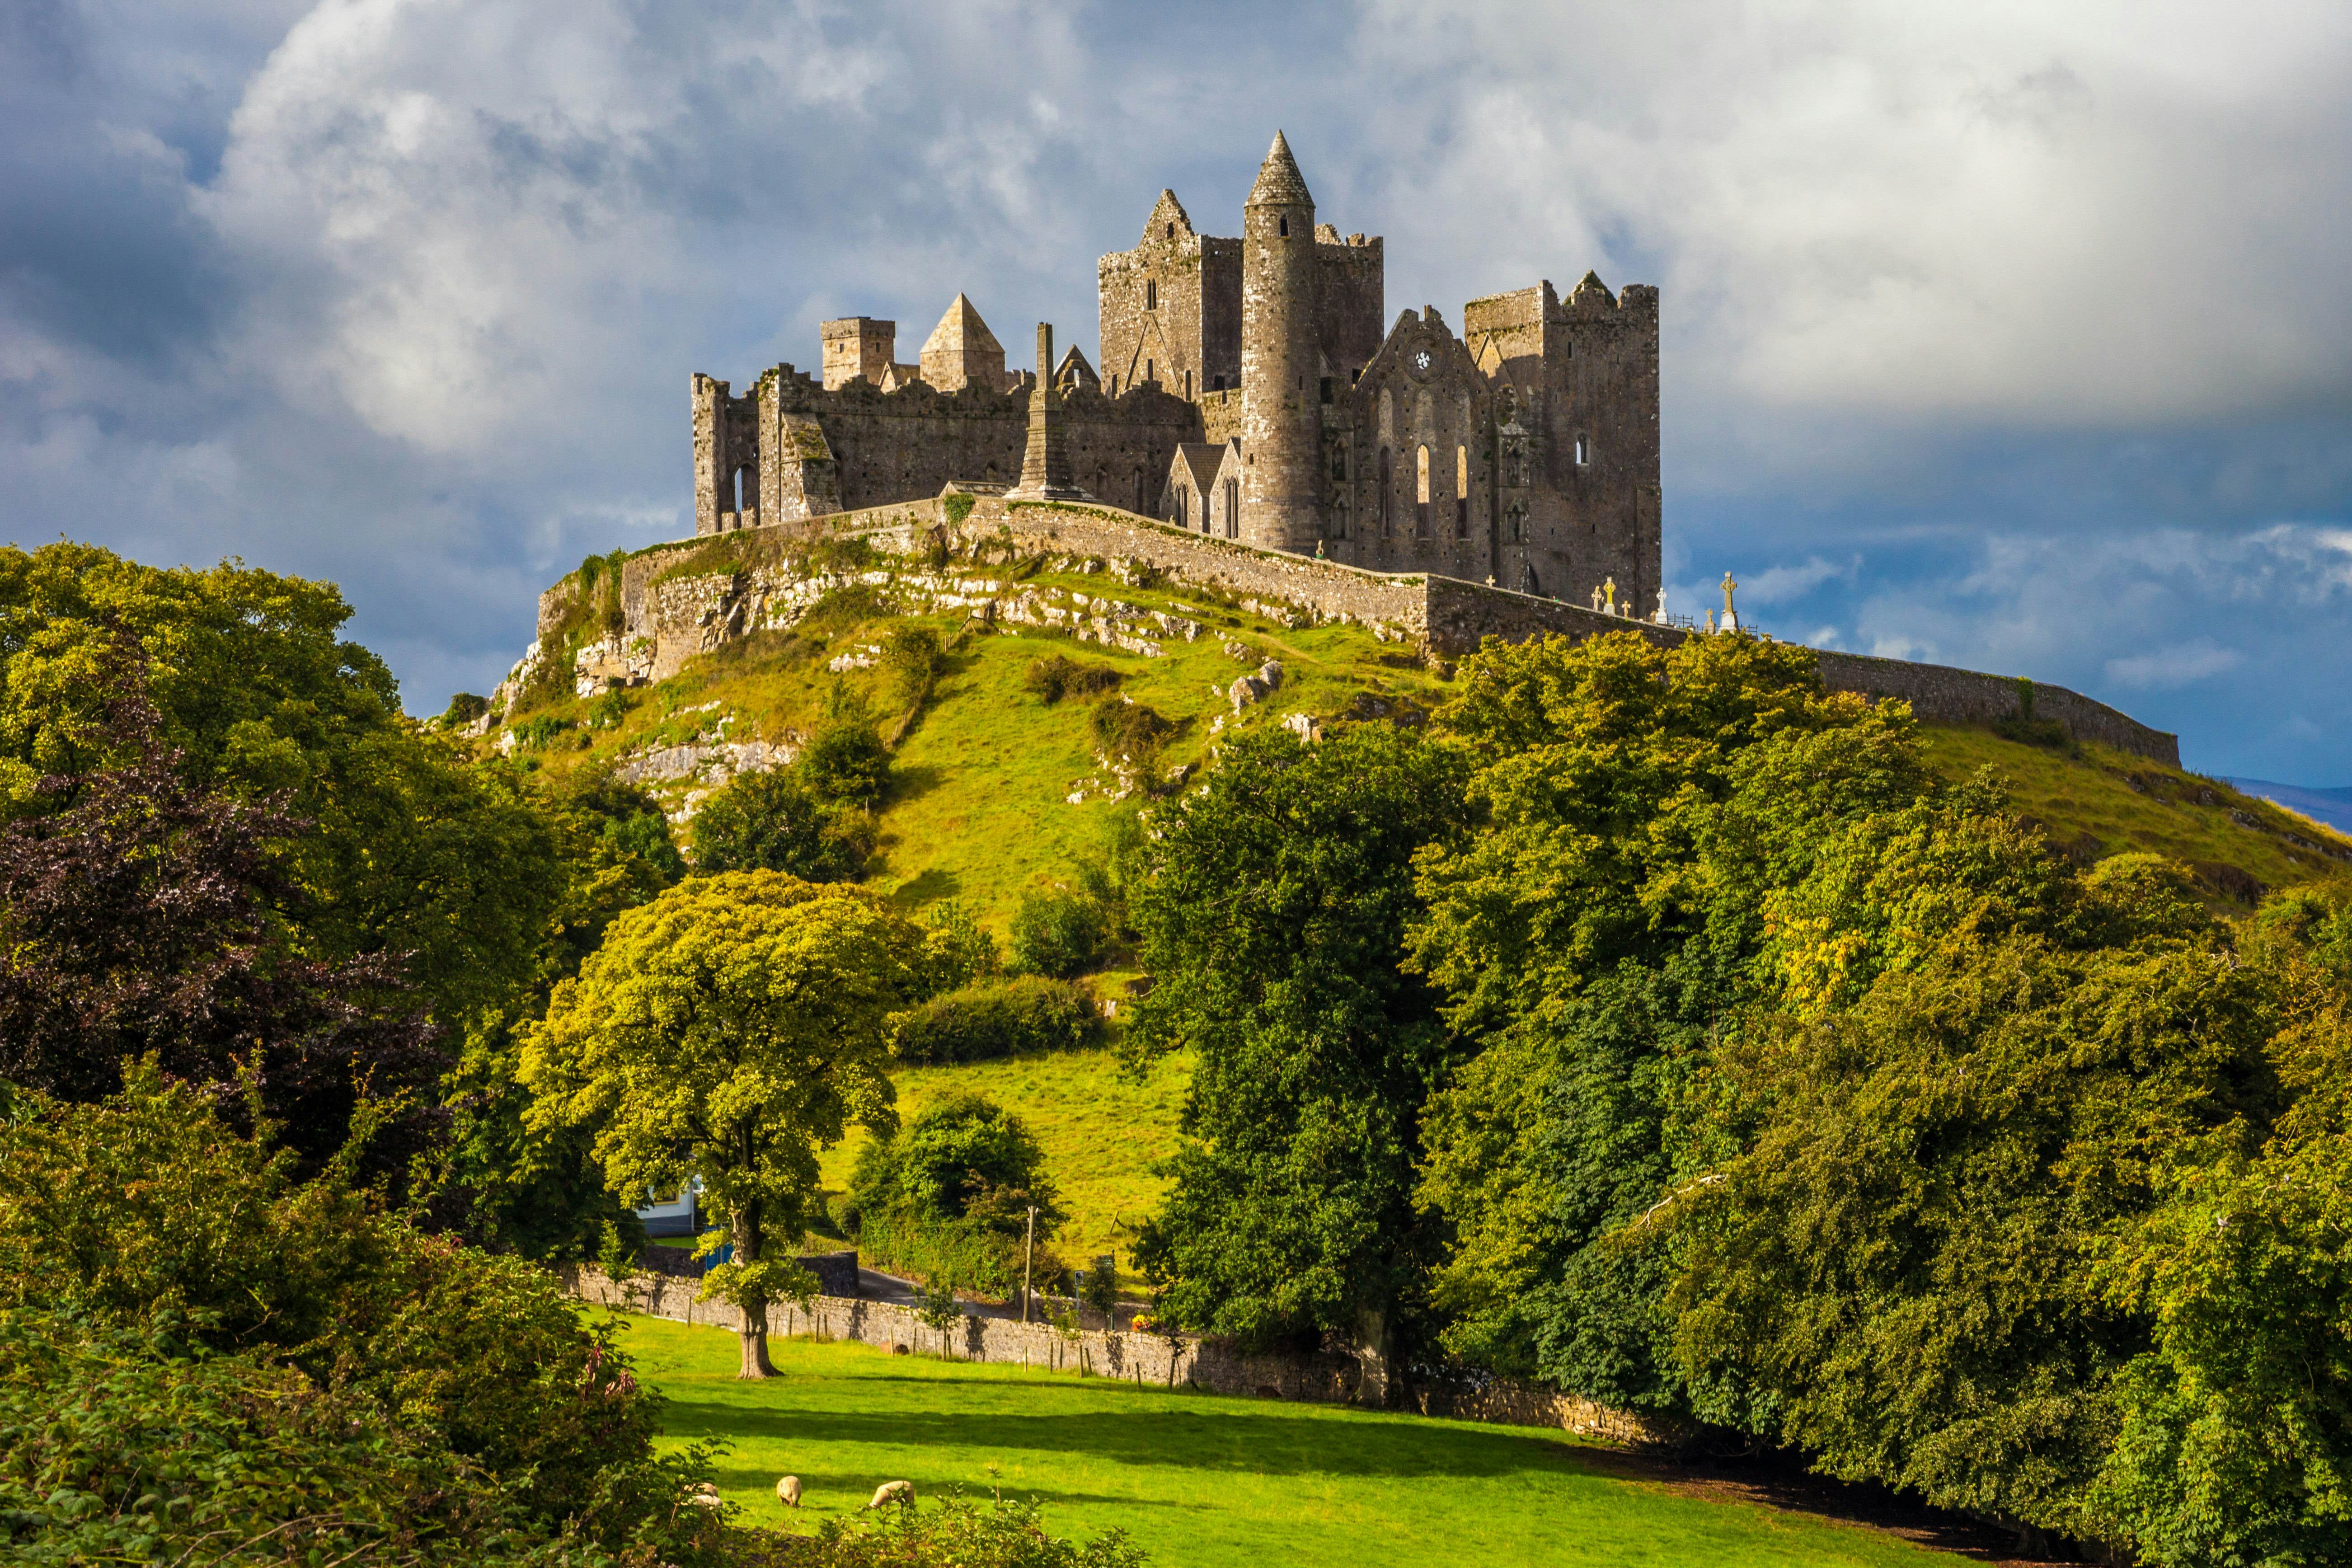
[{"x": 2014, "y": 336}]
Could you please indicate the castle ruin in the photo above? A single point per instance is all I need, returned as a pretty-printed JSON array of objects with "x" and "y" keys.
[{"x": 1248, "y": 392}]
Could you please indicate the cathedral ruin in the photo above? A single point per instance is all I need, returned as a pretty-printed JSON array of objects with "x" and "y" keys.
[{"x": 1248, "y": 392}]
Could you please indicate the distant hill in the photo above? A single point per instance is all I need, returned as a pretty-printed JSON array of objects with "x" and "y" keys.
[{"x": 2332, "y": 806}]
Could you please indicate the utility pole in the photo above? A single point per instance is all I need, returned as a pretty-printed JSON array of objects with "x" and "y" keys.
[{"x": 1028, "y": 1255}]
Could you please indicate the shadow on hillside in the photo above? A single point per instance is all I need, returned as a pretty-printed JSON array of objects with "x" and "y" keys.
[
  {"x": 1225, "y": 1438},
  {"x": 936, "y": 883}
]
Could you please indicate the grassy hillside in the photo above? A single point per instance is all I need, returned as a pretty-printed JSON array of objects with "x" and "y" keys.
[
  {"x": 2095, "y": 802},
  {"x": 996, "y": 791},
  {"x": 980, "y": 807},
  {"x": 1201, "y": 1480},
  {"x": 1101, "y": 1132}
]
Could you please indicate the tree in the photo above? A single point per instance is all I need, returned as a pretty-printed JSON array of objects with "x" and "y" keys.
[
  {"x": 846, "y": 762},
  {"x": 1273, "y": 904},
  {"x": 1059, "y": 932},
  {"x": 1637, "y": 808},
  {"x": 408, "y": 849},
  {"x": 773, "y": 821},
  {"x": 179, "y": 1302},
  {"x": 729, "y": 1030},
  {"x": 142, "y": 915}
]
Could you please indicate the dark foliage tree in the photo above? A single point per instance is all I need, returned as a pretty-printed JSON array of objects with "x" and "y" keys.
[
  {"x": 1273, "y": 904},
  {"x": 142, "y": 914}
]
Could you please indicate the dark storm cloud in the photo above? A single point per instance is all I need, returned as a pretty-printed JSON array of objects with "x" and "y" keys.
[{"x": 2012, "y": 337}]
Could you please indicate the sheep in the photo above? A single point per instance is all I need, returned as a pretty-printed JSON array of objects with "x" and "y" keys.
[
  {"x": 705, "y": 1495},
  {"x": 893, "y": 1491},
  {"x": 788, "y": 1492}
]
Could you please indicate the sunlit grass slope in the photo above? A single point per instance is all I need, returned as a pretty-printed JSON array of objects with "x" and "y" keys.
[
  {"x": 1199, "y": 1480},
  {"x": 2099, "y": 802},
  {"x": 979, "y": 806},
  {"x": 1101, "y": 1132}
]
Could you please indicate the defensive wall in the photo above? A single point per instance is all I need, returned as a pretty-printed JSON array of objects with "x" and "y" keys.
[
  {"x": 1161, "y": 1361},
  {"x": 692, "y": 596}
]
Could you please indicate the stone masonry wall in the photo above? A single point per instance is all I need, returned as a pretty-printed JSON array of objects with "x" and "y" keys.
[
  {"x": 1158, "y": 1360},
  {"x": 674, "y": 611}
]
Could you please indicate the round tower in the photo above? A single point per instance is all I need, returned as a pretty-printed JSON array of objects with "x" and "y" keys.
[{"x": 1282, "y": 412}]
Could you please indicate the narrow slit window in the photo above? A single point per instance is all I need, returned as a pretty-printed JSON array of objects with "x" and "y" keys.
[
  {"x": 1150, "y": 294},
  {"x": 1283, "y": 225},
  {"x": 1388, "y": 492},
  {"x": 1583, "y": 450},
  {"x": 1460, "y": 492}
]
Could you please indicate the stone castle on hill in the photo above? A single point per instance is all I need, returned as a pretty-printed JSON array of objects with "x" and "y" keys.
[{"x": 1249, "y": 391}]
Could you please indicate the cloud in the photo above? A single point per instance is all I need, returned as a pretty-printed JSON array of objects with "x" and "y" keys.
[
  {"x": 2172, "y": 666},
  {"x": 2015, "y": 336}
]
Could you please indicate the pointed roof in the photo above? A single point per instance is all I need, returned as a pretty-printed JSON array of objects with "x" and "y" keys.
[
  {"x": 1279, "y": 184},
  {"x": 1169, "y": 220},
  {"x": 962, "y": 330},
  {"x": 1075, "y": 371},
  {"x": 1199, "y": 459}
]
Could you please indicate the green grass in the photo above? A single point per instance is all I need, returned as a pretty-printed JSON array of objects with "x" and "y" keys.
[
  {"x": 1199, "y": 1480},
  {"x": 978, "y": 808},
  {"x": 1101, "y": 1131},
  {"x": 2106, "y": 802}
]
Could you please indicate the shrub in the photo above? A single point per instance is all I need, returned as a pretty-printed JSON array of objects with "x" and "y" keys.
[
  {"x": 1057, "y": 676},
  {"x": 956, "y": 951},
  {"x": 774, "y": 822},
  {"x": 406, "y": 1367},
  {"x": 1004, "y": 1535},
  {"x": 537, "y": 733},
  {"x": 913, "y": 655},
  {"x": 1014, "y": 1017},
  {"x": 846, "y": 760},
  {"x": 1059, "y": 933},
  {"x": 1125, "y": 728},
  {"x": 955, "y": 509},
  {"x": 464, "y": 709}
]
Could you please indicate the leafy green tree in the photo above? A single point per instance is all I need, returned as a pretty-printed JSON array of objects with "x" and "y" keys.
[
  {"x": 1273, "y": 903},
  {"x": 501, "y": 1182},
  {"x": 773, "y": 821},
  {"x": 409, "y": 850},
  {"x": 141, "y": 1239},
  {"x": 965, "y": 1157},
  {"x": 729, "y": 1030},
  {"x": 846, "y": 762},
  {"x": 2235, "y": 1434},
  {"x": 1637, "y": 808}
]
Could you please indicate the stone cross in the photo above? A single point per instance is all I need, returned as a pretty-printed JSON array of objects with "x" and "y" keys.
[
  {"x": 1728, "y": 586},
  {"x": 1660, "y": 619},
  {"x": 1596, "y": 596},
  {"x": 1610, "y": 589}
]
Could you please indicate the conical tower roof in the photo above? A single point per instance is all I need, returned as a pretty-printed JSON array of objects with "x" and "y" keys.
[
  {"x": 963, "y": 330},
  {"x": 1279, "y": 184}
]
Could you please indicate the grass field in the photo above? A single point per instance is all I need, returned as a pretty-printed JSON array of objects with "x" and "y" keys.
[
  {"x": 1199, "y": 1480},
  {"x": 2106, "y": 802},
  {"x": 1100, "y": 1132}
]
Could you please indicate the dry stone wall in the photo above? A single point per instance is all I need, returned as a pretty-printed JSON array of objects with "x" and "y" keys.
[
  {"x": 696, "y": 595},
  {"x": 1162, "y": 1361}
]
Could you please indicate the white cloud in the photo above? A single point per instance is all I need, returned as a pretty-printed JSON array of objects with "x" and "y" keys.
[
  {"x": 2171, "y": 666},
  {"x": 2092, "y": 213}
]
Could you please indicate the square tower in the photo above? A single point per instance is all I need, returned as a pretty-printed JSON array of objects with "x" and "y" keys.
[
  {"x": 1172, "y": 309},
  {"x": 857, "y": 348}
]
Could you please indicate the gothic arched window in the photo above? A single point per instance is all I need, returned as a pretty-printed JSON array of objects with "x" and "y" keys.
[
  {"x": 1388, "y": 493},
  {"x": 1421, "y": 515}
]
